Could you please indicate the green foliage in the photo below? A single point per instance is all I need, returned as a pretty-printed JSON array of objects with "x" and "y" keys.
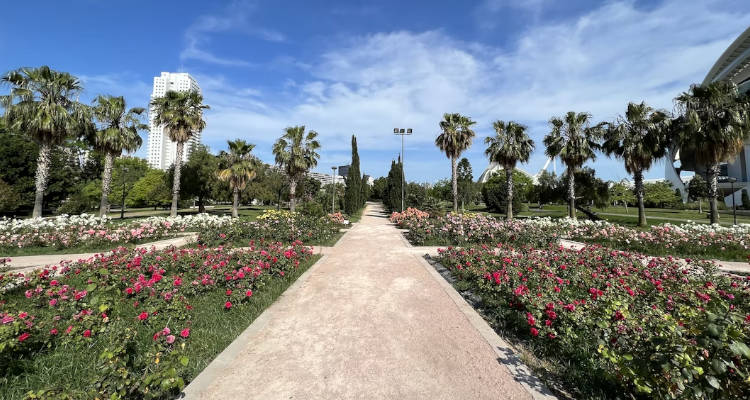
[
  {"x": 415, "y": 195},
  {"x": 151, "y": 190},
  {"x": 136, "y": 169},
  {"x": 441, "y": 190},
  {"x": 697, "y": 188},
  {"x": 621, "y": 194},
  {"x": 378, "y": 189},
  {"x": 198, "y": 176},
  {"x": 84, "y": 199},
  {"x": 659, "y": 194},
  {"x": 296, "y": 153},
  {"x": 312, "y": 209},
  {"x": 495, "y": 192},
  {"x": 549, "y": 188},
  {"x": 745, "y": 200},
  {"x": 467, "y": 189},
  {"x": 392, "y": 194},
  {"x": 9, "y": 198},
  {"x": 353, "y": 200},
  {"x": 589, "y": 188}
]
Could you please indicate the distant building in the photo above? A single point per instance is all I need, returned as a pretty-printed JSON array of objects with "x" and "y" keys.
[
  {"x": 325, "y": 179},
  {"x": 733, "y": 65},
  {"x": 161, "y": 150}
]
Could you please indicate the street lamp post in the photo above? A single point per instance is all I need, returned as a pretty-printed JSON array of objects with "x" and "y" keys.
[
  {"x": 333, "y": 189},
  {"x": 122, "y": 207},
  {"x": 403, "y": 132}
]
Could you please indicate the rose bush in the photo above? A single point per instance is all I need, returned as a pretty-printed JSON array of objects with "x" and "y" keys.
[
  {"x": 275, "y": 225},
  {"x": 661, "y": 328},
  {"x": 131, "y": 316},
  {"x": 84, "y": 230},
  {"x": 686, "y": 240}
]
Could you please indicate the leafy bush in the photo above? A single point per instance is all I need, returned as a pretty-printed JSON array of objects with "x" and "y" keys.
[
  {"x": 312, "y": 209},
  {"x": 130, "y": 317},
  {"x": 495, "y": 194},
  {"x": 621, "y": 326}
]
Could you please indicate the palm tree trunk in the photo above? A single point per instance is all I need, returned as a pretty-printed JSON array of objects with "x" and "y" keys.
[
  {"x": 176, "y": 183},
  {"x": 201, "y": 206},
  {"x": 509, "y": 200},
  {"x": 700, "y": 205},
  {"x": 42, "y": 173},
  {"x": 109, "y": 160},
  {"x": 235, "y": 202},
  {"x": 713, "y": 183},
  {"x": 638, "y": 178},
  {"x": 454, "y": 180},
  {"x": 571, "y": 193},
  {"x": 292, "y": 191}
]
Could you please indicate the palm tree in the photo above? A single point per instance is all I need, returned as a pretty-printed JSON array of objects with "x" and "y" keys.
[
  {"x": 295, "y": 153},
  {"x": 41, "y": 103},
  {"x": 181, "y": 115},
  {"x": 456, "y": 136},
  {"x": 119, "y": 133},
  {"x": 714, "y": 125},
  {"x": 639, "y": 138},
  {"x": 574, "y": 141},
  {"x": 240, "y": 169},
  {"x": 510, "y": 145}
]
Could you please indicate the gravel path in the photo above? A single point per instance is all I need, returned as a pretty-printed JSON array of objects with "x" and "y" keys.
[{"x": 368, "y": 321}]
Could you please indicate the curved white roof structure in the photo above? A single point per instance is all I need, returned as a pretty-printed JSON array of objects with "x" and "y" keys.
[
  {"x": 495, "y": 168},
  {"x": 733, "y": 65}
]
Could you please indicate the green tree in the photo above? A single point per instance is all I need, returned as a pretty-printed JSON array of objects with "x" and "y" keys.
[
  {"x": 181, "y": 116},
  {"x": 589, "y": 188},
  {"x": 619, "y": 192},
  {"x": 659, "y": 194},
  {"x": 125, "y": 173},
  {"x": 392, "y": 196},
  {"x": 199, "y": 175},
  {"x": 9, "y": 198},
  {"x": 118, "y": 132},
  {"x": 352, "y": 197},
  {"x": 415, "y": 195},
  {"x": 466, "y": 186},
  {"x": 378, "y": 188},
  {"x": 639, "y": 138},
  {"x": 41, "y": 104},
  {"x": 151, "y": 190},
  {"x": 510, "y": 145},
  {"x": 714, "y": 125},
  {"x": 455, "y": 137},
  {"x": 238, "y": 169},
  {"x": 296, "y": 153},
  {"x": 495, "y": 192},
  {"x": 698, "y": 190},
  {"x": 575, "y": 141},
  {"x": 548, "y": 188}
]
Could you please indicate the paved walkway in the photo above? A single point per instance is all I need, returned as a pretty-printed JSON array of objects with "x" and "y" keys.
[{"x": 371, "y": 320}]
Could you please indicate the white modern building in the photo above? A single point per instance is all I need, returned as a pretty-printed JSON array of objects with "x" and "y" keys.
[
  {"x": 161, "y": 150},
  {"x": 733, "y": 65}
]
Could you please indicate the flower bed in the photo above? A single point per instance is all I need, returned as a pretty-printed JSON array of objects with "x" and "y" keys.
[
  {"x": 687, "y": 240},
  {"x": 86, "y": 231},
  {"x": 136, "y": 324},
  {"x": 617, "y": 326},
  {"x": 277, "y": 225},
  {"x": 461, "y": 229}
]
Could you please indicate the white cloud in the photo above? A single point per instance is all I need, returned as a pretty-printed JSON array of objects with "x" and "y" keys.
[
  {"x": 234, "y": 18},
  {"x": 596, "y": 62}
]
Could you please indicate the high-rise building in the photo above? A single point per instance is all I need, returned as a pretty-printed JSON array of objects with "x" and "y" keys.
[{"x": 161, "y": 150}]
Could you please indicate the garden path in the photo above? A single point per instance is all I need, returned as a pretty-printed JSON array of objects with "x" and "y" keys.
[{"x": 370, "y": 320}]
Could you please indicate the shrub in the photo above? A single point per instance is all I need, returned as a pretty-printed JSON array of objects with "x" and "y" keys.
[
  {"x": 620, "y": 325},
  {"x": 495, "y": 195}
]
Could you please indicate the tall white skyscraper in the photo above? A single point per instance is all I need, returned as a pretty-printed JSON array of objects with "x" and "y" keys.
[{"x": 161, "y": 150}]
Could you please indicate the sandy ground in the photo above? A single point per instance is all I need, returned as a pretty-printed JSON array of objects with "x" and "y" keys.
[{"x": 369, "y": 322}]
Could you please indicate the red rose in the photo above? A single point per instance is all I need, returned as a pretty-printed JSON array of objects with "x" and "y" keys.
[
  {"x": 142, "y": 316},
  {"x": 23, "y": 336},
  {"x": 228, "y": 305},
  {"x": 534, "y": 332},
  {"x": 53, "y": 332},
  {"x": 249, "y": 293},
  {"x": 87, "y": 333},
  {"x": 229, "y": 292},
  {"x": 185, "y": 332}
]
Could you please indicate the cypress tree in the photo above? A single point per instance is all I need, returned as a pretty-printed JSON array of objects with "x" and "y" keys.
[
  {"x": 392, "y": 195},
  {"x": 353, "y": 194}
]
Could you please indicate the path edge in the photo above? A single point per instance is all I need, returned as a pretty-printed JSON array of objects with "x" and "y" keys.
[
  {"x": 214, "y": 369},
  {"x": 505, "y": 353}
]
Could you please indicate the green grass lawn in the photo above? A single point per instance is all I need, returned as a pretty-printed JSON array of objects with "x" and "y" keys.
[{"x": 212, "y": 330}]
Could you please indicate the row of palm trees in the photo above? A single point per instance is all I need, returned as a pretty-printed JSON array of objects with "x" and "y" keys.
[
  {"x": 43, "y": 104},
  {"x": 712, "y": 122}
]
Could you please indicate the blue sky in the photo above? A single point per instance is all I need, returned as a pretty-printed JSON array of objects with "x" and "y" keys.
[{"x": 364, "y": 67}]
